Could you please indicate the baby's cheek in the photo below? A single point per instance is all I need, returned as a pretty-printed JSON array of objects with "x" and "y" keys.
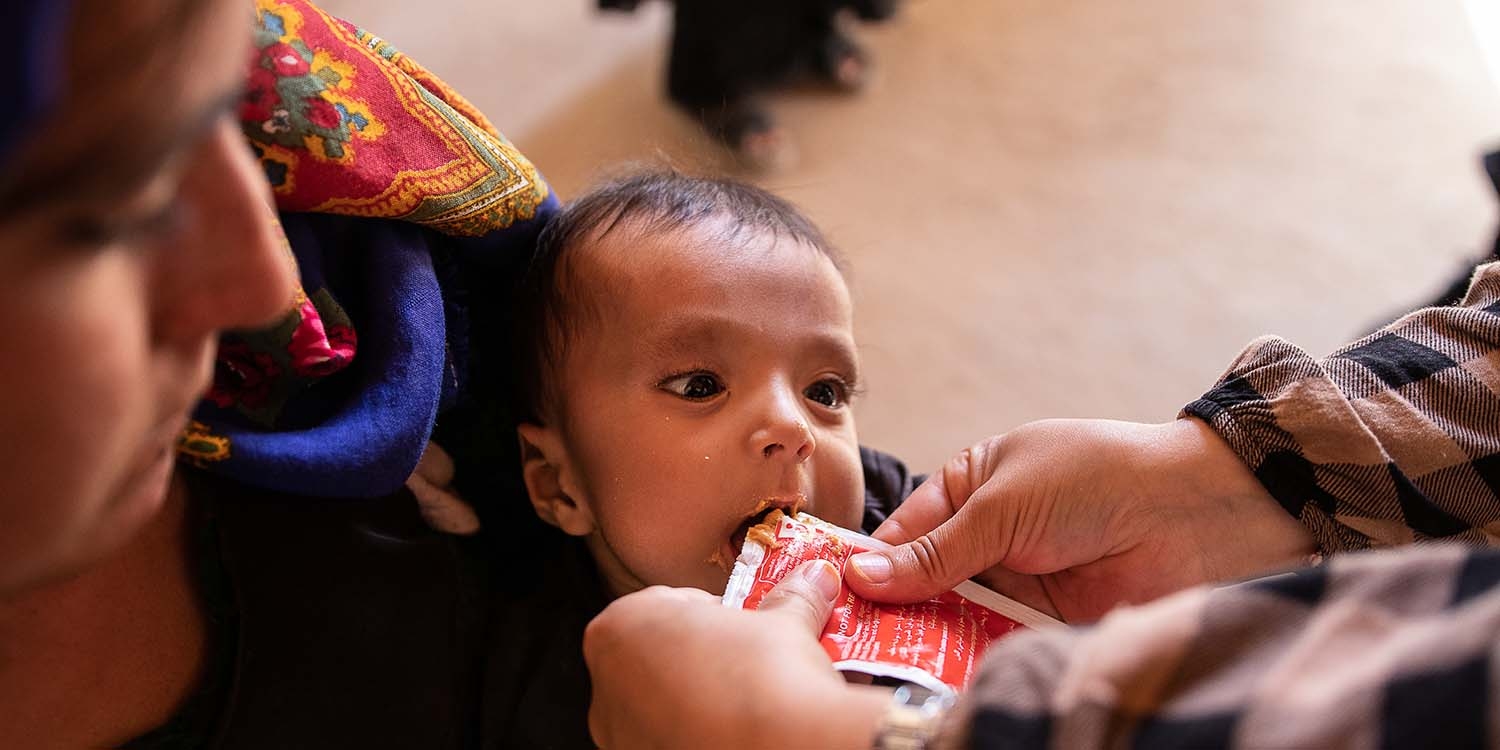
[
  {"x": 660, "y": 549},
  {"x": 842, "y": 493}
]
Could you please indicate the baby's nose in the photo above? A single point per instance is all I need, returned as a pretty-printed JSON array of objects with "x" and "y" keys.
[{"x": 791, "y": 440}]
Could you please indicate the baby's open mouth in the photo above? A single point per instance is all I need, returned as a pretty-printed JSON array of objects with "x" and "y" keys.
[
  {"x": 790, "y": 504},
  {"x": 737, "y": 539}
]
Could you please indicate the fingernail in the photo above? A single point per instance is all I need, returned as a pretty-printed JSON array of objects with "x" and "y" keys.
[
  {"x": 872, "y": 567},
  {"x": 823, "y": 577}
]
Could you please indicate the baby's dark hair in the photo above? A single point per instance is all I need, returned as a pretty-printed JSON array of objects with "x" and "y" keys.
[{"x": 551, "y": 303}]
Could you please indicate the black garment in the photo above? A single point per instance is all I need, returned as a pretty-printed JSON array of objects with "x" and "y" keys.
[
  {"x": 537, "y": 686},
  {"x": 350, "y": 623},
  {"x": 722, "y": 51},
  {"x": 357, "y": 625}
]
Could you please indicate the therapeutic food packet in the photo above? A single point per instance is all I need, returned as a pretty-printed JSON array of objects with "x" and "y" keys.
[{"x": 936, "y": 644}]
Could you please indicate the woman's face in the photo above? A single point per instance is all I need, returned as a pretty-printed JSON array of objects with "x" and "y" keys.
[{"x": 133, "y": 227}]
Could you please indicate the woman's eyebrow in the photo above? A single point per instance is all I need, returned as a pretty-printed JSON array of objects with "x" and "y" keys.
[{"x": 96, "y": 170}]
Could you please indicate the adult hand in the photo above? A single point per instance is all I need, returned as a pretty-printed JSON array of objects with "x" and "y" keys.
[
  {"x": 674, "y": 668},
  {"x": 1076, "y": 516}
]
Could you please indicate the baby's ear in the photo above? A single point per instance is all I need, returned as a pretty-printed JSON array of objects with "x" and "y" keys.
[{"x": 550, "y": 481}]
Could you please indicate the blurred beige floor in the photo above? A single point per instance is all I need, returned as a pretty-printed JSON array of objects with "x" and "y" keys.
[{"x": 1077, "y": 208}]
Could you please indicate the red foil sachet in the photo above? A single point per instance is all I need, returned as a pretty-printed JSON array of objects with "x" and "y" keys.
[{"x": 936, "y": 644}]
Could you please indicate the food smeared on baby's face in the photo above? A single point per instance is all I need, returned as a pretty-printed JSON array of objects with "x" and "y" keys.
[
  {"x": 766, "y": 513},
  {"x": 687, "y": 415},
  {"x": 764, "y": 533}
]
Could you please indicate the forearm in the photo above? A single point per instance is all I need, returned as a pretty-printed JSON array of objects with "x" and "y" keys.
[
  {"x": 1390, "y": 440},
  {"x": 1392, "y": 647}
]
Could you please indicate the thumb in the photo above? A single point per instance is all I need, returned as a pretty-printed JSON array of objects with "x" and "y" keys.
[
  {"x": 927, "y": 566},
  {"x": 806, "y": 595}
]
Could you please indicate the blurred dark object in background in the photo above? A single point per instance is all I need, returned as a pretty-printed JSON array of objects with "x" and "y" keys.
[
  {"x": 1455, "y": 291},
  {"x": 1454, "y": 294},
  {"x": 725, "y": 52}
]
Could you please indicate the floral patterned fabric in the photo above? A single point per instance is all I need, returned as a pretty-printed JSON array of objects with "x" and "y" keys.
[
  {"x": 377, "y": 168},
  {"x": 346, "y": 124}
]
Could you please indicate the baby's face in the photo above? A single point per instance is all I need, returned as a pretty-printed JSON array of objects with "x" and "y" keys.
[{"x": 716, "y": 381}]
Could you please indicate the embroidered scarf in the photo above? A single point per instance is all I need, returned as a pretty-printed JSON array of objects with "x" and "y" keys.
[{"x": 387, "y": 183}]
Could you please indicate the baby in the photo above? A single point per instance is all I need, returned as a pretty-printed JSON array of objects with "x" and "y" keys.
[{"x": 688, "y": 361}]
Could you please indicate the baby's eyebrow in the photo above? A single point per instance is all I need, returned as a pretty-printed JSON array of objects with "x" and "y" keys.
[
  {"x": 837, "y": 348},
  {"x": 677, "y": 336}
]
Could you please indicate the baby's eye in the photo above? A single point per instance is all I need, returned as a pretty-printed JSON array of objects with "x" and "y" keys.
[
  {"x": 830, "y": 393},
  {"x": 695, "y": 386}
]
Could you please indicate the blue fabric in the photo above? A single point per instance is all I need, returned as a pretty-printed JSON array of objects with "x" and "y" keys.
[
  {"x": 361, "y": 432},
  {"x": 31, "y": 66},
  {"x": 340, "y": 396},
  {"x": 356, "y": 431}
]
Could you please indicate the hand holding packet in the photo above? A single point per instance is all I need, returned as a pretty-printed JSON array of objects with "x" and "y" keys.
[{"x": 936, "y": 644}]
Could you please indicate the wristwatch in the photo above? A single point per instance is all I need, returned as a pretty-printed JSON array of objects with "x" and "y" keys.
[{"x": 913, "y": 719}]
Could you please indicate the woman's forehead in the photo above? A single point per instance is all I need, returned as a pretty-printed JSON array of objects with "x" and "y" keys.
[
  {"x": 98, "y": 27},
  {"x": 136, "y": 73}
]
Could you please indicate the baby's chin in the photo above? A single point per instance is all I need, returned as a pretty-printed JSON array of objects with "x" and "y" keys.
[
  {"x": 716, "y": 589},
  {"x": 706, "y": 575},
  {"x": 709, "y": 577}
]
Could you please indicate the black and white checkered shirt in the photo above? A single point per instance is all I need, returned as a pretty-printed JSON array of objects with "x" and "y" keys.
[{"x": 1392, "y": 440}]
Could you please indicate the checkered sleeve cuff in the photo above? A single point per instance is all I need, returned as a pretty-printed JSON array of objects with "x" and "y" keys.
[
  {"x": 1392, "y": 439},
  {"x": 1395, "y": 649}
]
